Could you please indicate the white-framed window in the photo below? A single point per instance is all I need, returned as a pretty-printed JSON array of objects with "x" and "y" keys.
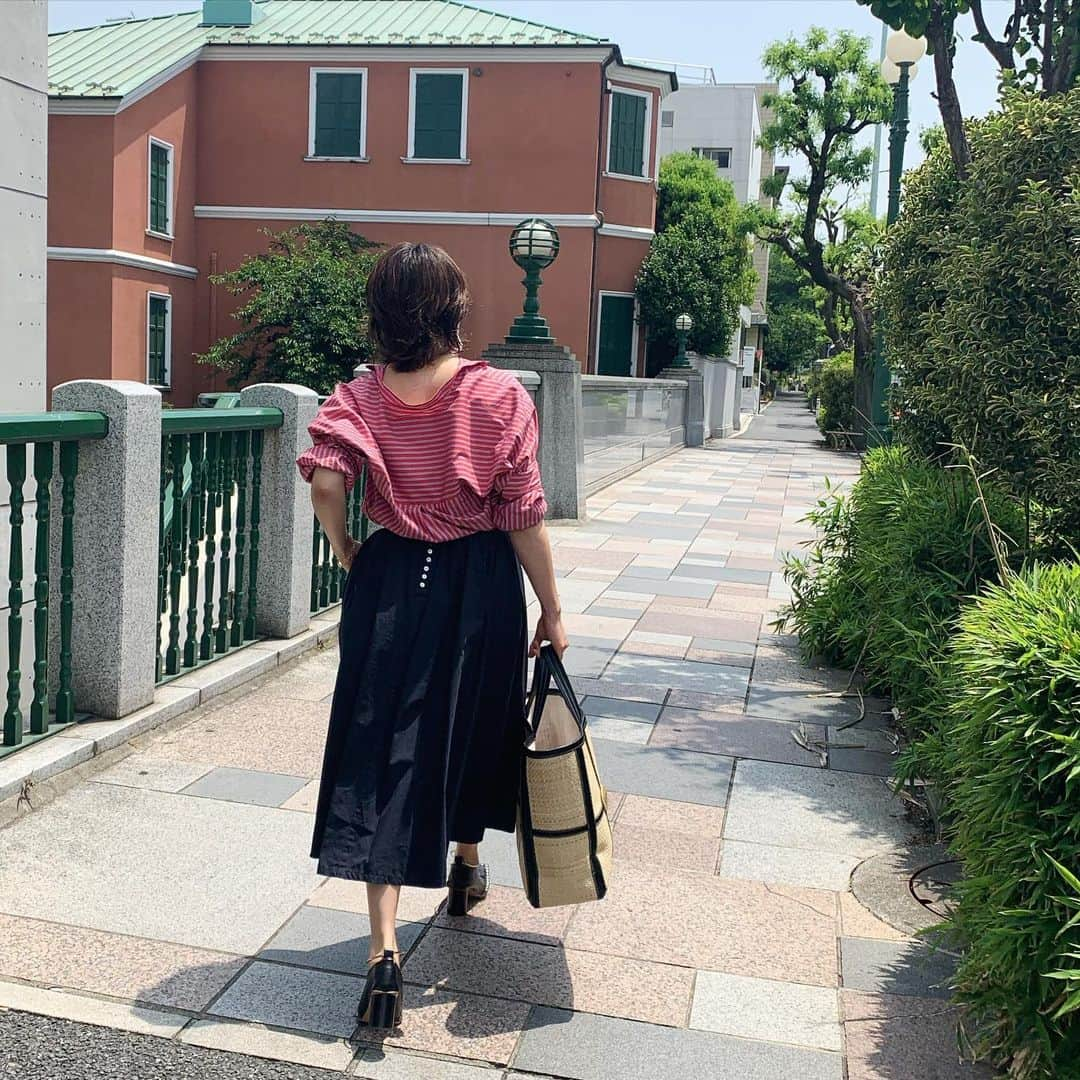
[
  {"x": 159, "y": 339},
  {"x": 337, "y": 114},
  {"x": 720, "y": 156},
  {"x": 629, "y": 133},
  {"x": 159, "y": 188},
  {"x": 438, "y": 115}
]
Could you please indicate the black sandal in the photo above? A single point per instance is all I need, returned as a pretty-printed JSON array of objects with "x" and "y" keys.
[
  {"x": 381, "y": 1002},
  {"x": 467, "y": 885}
]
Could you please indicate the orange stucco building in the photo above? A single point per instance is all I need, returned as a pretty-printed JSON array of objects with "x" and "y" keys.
[{"x": 174, "y": 141}]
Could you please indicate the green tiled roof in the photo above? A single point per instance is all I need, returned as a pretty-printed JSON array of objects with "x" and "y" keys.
[{"x": 115, "y": 59}]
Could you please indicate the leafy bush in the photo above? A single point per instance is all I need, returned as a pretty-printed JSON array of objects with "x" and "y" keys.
[
  {"x": 981, "y": 303},
  {"x": 304, "y": 312},
  {"x": 1013, "y": 762},
  {"x": 835, "y": 389},
  {"x": 882, "y": 586}
]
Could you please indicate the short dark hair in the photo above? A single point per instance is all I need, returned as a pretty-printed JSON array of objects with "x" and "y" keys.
[{"x": 417, "y": 299}]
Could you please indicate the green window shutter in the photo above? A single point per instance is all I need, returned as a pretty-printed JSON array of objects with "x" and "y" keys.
[
  {"x": 627, "y": 152},
  {"x": 159, "y": 188},
  {"x": 156, "y": 360},
  {"x": 437, "y": 116},
  {"x": 339, "y": 108}
]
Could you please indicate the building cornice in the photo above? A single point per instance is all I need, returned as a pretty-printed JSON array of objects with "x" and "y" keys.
[
  {"x": 402, "y": 217},
  {"x": 121, "y": 258},
  {"x": 653, "y": 78}
]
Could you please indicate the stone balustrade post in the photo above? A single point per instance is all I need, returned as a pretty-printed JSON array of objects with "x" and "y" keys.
[
  {"x": 283, "y": 589},
  {"x": 115, "y": 573}
]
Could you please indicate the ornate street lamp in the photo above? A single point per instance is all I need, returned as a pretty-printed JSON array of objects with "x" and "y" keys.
[
  {"x": 902, "y": 52},
  {"x": 534, "y": 244},
  {"x": 683, "y": 325}
]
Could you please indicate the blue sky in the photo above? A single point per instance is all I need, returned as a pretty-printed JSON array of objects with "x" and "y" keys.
[{"x": 727, "y": 35}]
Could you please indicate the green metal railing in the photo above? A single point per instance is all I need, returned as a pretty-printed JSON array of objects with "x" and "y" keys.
[
  {"x": 44, "y": 431},
  {"x": 208, "y": 558}
]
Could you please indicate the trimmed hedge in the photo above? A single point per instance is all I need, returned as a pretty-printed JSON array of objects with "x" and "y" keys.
[
  {"x": 1013, "y": 763},
  {"x": 836, "y": 393}
]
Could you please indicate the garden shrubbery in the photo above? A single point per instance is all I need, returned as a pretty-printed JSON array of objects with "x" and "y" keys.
[
  {"x": 981, "y": 307},
  {"x": 835, "y": 388},
  {"x": 1012, "y": 765}
]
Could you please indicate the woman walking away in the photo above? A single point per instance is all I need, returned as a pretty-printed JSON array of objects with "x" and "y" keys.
[{"x": 427, "y": 725}]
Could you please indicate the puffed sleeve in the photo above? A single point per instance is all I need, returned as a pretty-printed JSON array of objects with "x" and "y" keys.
[
  {"x": 335, "y": 444},
  {"x": 519, "y": 501}
]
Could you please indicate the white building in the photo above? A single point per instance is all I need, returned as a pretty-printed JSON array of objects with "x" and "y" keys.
[{"x": 723, "y": 122}]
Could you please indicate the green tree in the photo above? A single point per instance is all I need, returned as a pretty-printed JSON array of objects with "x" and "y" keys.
[
  {"x": 304, "y": 314},
  {"x": 981, "y": 307},
  {"x": 1037, "y": 49},
  {"x": 699, "y": 261},
  {"x": 797, "y": 332},
  {"x": 830, "y": 92}
]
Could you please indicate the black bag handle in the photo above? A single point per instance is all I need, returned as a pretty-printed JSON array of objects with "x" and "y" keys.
[{"x": 547, "y": 669}]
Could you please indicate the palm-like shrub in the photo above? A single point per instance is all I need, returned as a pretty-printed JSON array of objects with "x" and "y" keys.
[{"x": 1013, "y": 763}]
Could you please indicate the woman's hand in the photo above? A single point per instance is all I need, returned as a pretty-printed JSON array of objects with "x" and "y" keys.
[
  {"x": 346, "y": 557},
  {"x": 549, "y": 628}
]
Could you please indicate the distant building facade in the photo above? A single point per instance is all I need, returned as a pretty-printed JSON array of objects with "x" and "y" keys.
[
  {"x": 723, "y": 123},
  {"x": 173, "y": 141}
]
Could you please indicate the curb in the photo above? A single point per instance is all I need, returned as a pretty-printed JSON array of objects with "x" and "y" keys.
[{"x": 91, "y": 738}]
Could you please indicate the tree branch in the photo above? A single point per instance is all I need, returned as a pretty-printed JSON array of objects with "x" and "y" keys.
[
  {"x": 940, "y": 37},
  {"x": 1001, "y": 51}
]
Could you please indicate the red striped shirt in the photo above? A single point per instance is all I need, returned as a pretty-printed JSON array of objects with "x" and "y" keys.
[{"x": 460, "y": 463}]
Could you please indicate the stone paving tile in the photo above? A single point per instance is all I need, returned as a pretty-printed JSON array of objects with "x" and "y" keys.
[
  {"x": 551, "y": 975},
  {"x": 779, "y": 1012},
  {"x": 305, "y": 799},
  {"x": 893, "y": 1038},
  {"x": 414, "y": 905},
  {"x": 628, "y": 731},
  {"x": 659, "y": 847},
  {"x": 673, "y": 646},
  {"x": 680, "y": 674},
  {"x": 791, "y": 806},
  {"x": 270, "y": 735},
  {"x": 290, "y": 997},
  {"x": 623, "y": 690},
  {"x": 870, "y": 762},
  {"x": 307, "y": 680},
  {"x": 792, "y": 934},
  {"x": 586, "y": 660},
  {"x": 119, "y": 965},
  {"x": 505, "y": 912},
  {"x": 785, "y": 703},
  {"x": 246, "y": 786},
  {"x": 663, "y": 773},
  {"x": 580, "y": 1046},
  {"x": 461, "y": 1025},
  {"x": 666, "y": 815},
  {"x": 791, "y": 674},
  {"x": 722, "y": 574},
  {"x": 786, "y": 866},
  {"x": 398, "y": 1065},
  {"x": 672, "y": 587},
  {"x": 143, "y": 770},
  {"x": 862, "y": 738},
  {"x": 713, "y": 625},
  {"x": 735, "y": 736},
  {"x": 906, "y": 968},
  {"x": 103, "y": 856},
  {"x": 315, "y": 1051},
  {"x": 641, "y": 711},
  {"x": 330, "y": 940},
  {"x": 857, "y": 921}
]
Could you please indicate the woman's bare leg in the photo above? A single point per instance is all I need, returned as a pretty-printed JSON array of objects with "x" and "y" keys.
[
  {"x": 469, "y": 852},
  {"x": 382, "y": 911}
]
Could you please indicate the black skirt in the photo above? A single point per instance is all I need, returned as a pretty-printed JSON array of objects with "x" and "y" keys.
[{"x": 427, "y": 725}]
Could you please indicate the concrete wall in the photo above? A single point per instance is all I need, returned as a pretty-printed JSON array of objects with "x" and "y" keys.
[{"x": 23, "y": 120}]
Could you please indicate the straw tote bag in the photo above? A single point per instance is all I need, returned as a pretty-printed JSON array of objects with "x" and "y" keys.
[{"x": 563, "y": 831}]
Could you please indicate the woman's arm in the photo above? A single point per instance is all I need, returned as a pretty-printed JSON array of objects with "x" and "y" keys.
[
  {"x": 328, "y": 499},
  {"x": 534, "y": 553}
]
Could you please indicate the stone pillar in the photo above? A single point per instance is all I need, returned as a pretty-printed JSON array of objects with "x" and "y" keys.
[
  {"x": 115, "y": 585},
  {"x": 283, "y": 590},
  {"x": 695, "y": 401},
  {"x": 562, "y": 427}
]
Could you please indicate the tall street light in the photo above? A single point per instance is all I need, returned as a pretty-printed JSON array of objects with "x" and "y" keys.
[
  {"x": 534, "y": 243},
  {"x": 902, "y": 52}
]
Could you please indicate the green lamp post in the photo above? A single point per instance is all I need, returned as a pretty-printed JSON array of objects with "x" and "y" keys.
[
  {"x": 534, "y": 244},
  {"x": 902, "y": 52},
  {"x": 683, "y": 325}
]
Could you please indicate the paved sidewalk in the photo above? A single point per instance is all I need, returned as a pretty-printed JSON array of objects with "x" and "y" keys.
[{"x": 171, "y": 895}]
